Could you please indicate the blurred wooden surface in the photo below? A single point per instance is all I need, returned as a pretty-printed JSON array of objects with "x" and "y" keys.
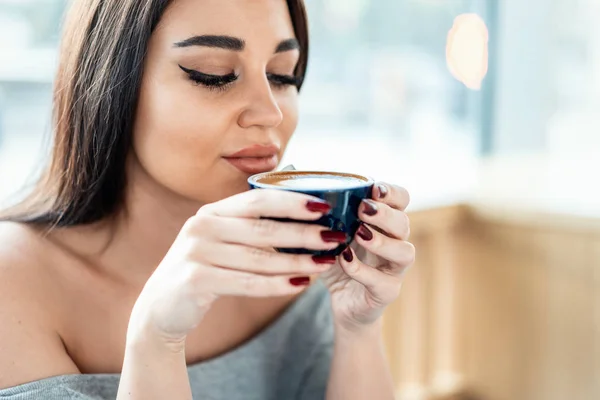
[{"x": 503, "y": 304}]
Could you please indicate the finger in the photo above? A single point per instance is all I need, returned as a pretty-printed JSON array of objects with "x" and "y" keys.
[
  {"x": 396, "y": 251},
  {"x": 390, "y": 220},
  {"x": 238, "y": 283},
  {"x": 382, "y": 286},
  {"x": 270, "y": 233},
  {"x": 394, "y": 196},
  {"x": 269, "y": 203},
  {"x": 261, "y": 261}
]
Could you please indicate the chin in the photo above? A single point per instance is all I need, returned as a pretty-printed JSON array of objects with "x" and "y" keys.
[
  {"x": 224, "y": 189},
  {"x": 224, "y": 183}
]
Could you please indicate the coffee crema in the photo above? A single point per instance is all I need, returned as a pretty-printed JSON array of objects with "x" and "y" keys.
[{"x": 294, "y": 180}]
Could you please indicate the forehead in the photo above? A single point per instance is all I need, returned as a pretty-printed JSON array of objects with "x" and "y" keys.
[{"x": 252, "y": 20}]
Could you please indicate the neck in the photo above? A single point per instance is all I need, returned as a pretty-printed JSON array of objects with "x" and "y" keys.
[{"x": 144, "y": 231}]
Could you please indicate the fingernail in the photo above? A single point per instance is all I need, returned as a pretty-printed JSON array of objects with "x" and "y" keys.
[
  {"x": 333, "y": 236},
  {"x": 324, "y": 259},
  {"x": 370, "y": 207},
  {"x": 318, "y": 206},
  {"x": 365, "y": 233},
  {"x": 383, "y": 190},
  {"x": 300, "y": 281},
  {"x": 347, "y": 254}
]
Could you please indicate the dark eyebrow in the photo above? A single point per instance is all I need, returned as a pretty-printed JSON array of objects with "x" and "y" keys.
[
  {"x": 217, "y": 41},
  {"x": 287, "y": 45}
]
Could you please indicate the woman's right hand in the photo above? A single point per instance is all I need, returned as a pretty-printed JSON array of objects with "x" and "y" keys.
[{"x": 226, "y": 249}]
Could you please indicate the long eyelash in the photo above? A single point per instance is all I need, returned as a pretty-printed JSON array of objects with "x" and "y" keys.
[
  {"x": 220, "y": 82},
  {"x": 213, "y": 82},
  {"x": 284, "y": 80}
]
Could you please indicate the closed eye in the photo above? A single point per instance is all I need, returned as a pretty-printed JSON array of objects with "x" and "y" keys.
[
  {"x": 221, "y": 82},
  {"x": 209, "y": 80},
  {"x": 284, "y": 80}
]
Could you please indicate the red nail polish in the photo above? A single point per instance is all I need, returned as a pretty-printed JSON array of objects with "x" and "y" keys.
[
  {"x": 324, "y": 259},
  {"x": 370, "y": 207},
  {"x": 318, "y": 206},
  {"x": 383, "y": 191},
  {"x": 347, "y": 254},
  {"x": 333, "y": 236},
  {"x": 300, "y": 281},
  {"x": 365, "y": 233}
]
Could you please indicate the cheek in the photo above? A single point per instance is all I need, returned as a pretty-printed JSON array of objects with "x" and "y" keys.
[
  {"x": 177, "y": 135},
  {"x": 289, "y": 109}
]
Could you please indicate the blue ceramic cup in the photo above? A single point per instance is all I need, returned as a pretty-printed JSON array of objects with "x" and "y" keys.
[{"x": 343, "y": 191}]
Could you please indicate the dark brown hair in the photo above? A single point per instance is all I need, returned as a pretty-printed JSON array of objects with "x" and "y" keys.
[{"x": 95, "y": 96}]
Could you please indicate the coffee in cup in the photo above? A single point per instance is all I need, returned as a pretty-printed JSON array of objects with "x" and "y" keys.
[
  {"x": 312, "y": 181},
  {"x": 344, "y": 191}
]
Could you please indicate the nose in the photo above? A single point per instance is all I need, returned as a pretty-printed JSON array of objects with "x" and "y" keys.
[{"x": 261, "y": 108}]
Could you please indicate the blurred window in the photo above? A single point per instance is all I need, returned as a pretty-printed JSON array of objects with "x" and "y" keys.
[{"x": 547, "y": 91}]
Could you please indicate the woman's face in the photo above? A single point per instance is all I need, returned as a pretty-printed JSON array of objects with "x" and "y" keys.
[{"x": 218, "y": 78}]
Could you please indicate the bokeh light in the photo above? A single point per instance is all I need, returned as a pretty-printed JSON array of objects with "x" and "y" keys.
[{"x": 467, "y": 50}]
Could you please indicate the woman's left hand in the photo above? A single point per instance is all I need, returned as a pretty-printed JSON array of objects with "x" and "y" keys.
[{"x": 362, "y": 285}]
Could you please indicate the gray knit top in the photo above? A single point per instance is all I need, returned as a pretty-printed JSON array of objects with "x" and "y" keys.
[{"x": 288, "y": 360}]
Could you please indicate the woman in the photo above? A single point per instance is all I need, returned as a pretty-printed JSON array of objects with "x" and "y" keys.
[{"x": 140, "y": 267}]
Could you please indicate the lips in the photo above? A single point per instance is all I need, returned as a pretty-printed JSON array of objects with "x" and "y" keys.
[
  {"x": 254, "y": 165},
  {"x": 255, "y": 159}
]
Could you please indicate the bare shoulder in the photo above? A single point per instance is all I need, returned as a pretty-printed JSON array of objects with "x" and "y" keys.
[
  {"x": 23, "y": 253},
  {"x": 30, "y": 347}
]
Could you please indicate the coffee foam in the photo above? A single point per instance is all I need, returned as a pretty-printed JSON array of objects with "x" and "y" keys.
[{"x": 312, "y": 181}]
